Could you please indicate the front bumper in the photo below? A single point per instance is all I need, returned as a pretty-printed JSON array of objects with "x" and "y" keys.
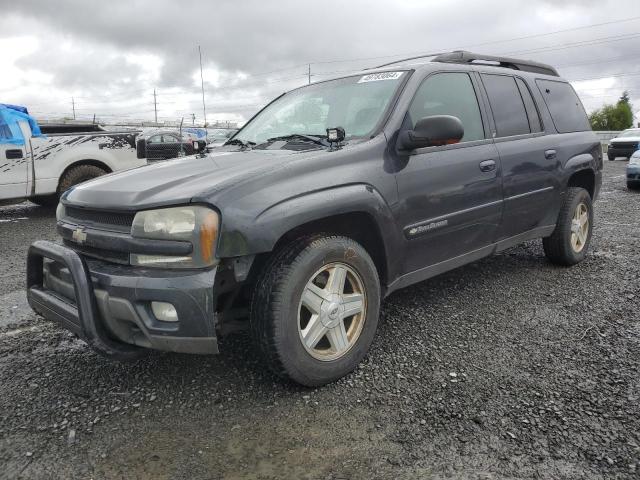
[
  {"x": 614, "y": 150},
  {"x": 109, "y": 306},
  {"x": 633, "y": 174}
]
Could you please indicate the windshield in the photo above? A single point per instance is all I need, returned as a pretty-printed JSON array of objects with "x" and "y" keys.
[
  {"x": 354, "y": 103},
  {"x": 630, "y": 133},
  {"x": 220, "y": 134}
]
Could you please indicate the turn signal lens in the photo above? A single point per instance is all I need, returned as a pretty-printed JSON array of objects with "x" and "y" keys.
[{"x": 208, "y": 236}]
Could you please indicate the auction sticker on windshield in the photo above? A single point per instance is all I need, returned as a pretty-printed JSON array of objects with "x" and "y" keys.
[{"x": 376, "y": 77}]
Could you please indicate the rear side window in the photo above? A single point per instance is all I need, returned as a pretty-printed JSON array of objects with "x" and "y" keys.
[
  {"x": 5, "y": 131},
  {"x": 535, "y": 125},
  {"x": 566, "y": 110},
  {"x": 449, "y": 94},
  {"x": 508, "y": 108}
]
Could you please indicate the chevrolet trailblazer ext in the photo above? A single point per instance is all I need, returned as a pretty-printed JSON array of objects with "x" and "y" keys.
[{"x": 329, "y": 199}]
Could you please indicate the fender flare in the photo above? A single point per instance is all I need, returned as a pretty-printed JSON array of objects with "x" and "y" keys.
[{"x": 243, "y": 235}]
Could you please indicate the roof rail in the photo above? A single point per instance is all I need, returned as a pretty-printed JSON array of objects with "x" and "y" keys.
[
  {"x": 426, "y": 55},
  {"x": 461, "y": 56}
]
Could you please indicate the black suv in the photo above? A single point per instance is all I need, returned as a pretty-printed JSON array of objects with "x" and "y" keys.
[{"x": 330, "y": 198}]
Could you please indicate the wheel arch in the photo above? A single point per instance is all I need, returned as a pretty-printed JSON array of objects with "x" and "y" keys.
[
  {"x": 583, "y": 178},
  {"x": 87, "y": 161}
]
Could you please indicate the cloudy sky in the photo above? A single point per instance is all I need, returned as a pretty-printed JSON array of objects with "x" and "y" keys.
[{"x": 110, "y": 55}]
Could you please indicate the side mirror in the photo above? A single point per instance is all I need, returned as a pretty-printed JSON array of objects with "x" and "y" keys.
[
  {"x": 141, "y": 148},
  {"x": 432, "y": 131}
]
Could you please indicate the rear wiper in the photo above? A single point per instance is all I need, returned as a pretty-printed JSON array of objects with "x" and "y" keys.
[
  {"x": 317, "y": 139},
  {"x": 242, "y": 143}
]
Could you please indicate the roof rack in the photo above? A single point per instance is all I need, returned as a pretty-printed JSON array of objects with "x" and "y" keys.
[
  {"x": 426, "y": 55},
  {"x": 462, "y": 56}
]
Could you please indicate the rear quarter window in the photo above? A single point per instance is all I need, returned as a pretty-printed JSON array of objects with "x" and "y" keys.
[{"x": 566, "y": 110}]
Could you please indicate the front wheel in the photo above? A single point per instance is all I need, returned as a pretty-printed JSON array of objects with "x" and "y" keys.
[
  {"x": 315, "y": 309},
  {"x": 569, "y": 242}
]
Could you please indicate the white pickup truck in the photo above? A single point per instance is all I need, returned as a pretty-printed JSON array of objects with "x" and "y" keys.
[{"x": 39, "y": 168}]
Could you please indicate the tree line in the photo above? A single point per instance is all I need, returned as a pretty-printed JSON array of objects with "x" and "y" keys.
[{"x": 618, "y": 116}]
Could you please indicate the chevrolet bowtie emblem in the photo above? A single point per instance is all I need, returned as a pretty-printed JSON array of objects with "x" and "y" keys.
[{"x": 79, "y": 235}]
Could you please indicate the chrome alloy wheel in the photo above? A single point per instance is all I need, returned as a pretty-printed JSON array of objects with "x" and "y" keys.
[
  {"x": 332, "y": 311},
  {"x": 579, "y": 228}
]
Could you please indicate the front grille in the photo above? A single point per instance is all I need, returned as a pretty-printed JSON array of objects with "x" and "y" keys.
[
  {"x": 116, "y": 221},
  {"x": 106, "y": 255},
  {"x": 625, "y": 145}
]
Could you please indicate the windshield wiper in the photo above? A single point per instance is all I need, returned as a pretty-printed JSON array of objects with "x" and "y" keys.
[
  {"x": 317, "y": 139},
  {"x": 242, "y": 143}
]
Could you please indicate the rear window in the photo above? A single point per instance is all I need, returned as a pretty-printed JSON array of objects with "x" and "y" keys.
[{"x": 566, "y": 110}]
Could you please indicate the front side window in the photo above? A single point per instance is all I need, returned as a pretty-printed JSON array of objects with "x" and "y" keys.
[
  {"x": 155, "y": 139},
  {"x": 169, "y": 139},
  {"x": 449, "y": 94},
  {"x": 355, "y": 103},
  {"x": 507, "y": 106}
]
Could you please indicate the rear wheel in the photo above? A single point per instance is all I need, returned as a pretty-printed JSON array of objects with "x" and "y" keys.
[
  {"x": 79, "y": 174},
  {"x": 569, "y": 242},
  {"x": 633, "y": 185},
  {"x": 315, "y": 309}
]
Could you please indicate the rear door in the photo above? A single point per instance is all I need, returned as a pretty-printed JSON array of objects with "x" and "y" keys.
[
  {"x": 451, "y": 196},
  {"x": 14, "y": 164},
  {"x": 529, "y": 161}
]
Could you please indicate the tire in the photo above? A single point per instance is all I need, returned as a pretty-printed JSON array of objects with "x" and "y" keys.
[
  {"x": 633, "y": 185},
  {"x": 278, "y": 311},
  {"x": 562, "y": 248},
  {"x": 611, "y": 157},
  {"x": 77, "y": 175}
]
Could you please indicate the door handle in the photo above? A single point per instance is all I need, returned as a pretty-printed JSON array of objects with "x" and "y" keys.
[
  {"x": 14, "y": 154},
  {"x": 487, "y": 165},
  {"x": 550, "y": 154}
]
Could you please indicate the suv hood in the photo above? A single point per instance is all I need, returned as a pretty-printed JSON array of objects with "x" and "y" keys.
[
  {"x": 177, "y": 181},
  {"x": 634, "y": 138}
]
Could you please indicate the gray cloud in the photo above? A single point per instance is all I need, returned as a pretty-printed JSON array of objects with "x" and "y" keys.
[{"x": 254, "y": 37}]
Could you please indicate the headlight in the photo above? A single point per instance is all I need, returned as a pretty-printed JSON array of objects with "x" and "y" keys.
[
  {"x": 634, "y": 160},
  {"x": 195, "y": 224}
]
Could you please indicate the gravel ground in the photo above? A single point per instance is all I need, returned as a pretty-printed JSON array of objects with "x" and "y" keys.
[{"x": 507, "y": 368}]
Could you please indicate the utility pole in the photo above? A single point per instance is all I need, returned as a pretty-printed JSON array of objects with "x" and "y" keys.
[
  {"x": 155, "y": 105},
  {"x": 73, "y": 106},
  {"x": 204, "y": 109},
  {"x": 193, "y": 119},
  {"x": 309, "y": 73}
]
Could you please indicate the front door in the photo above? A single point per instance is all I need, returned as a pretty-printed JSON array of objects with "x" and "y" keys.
[{"x": 451, "y": 196}]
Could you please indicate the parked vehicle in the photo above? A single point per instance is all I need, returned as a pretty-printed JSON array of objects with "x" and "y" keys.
[
  {"x": 624, "y": 144},
  {"x": 40, "y": 168},
  {"x": 333, "y": 196},
  {"x": 167, "y": 144},
  {"x": 633, "y": 171}
]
